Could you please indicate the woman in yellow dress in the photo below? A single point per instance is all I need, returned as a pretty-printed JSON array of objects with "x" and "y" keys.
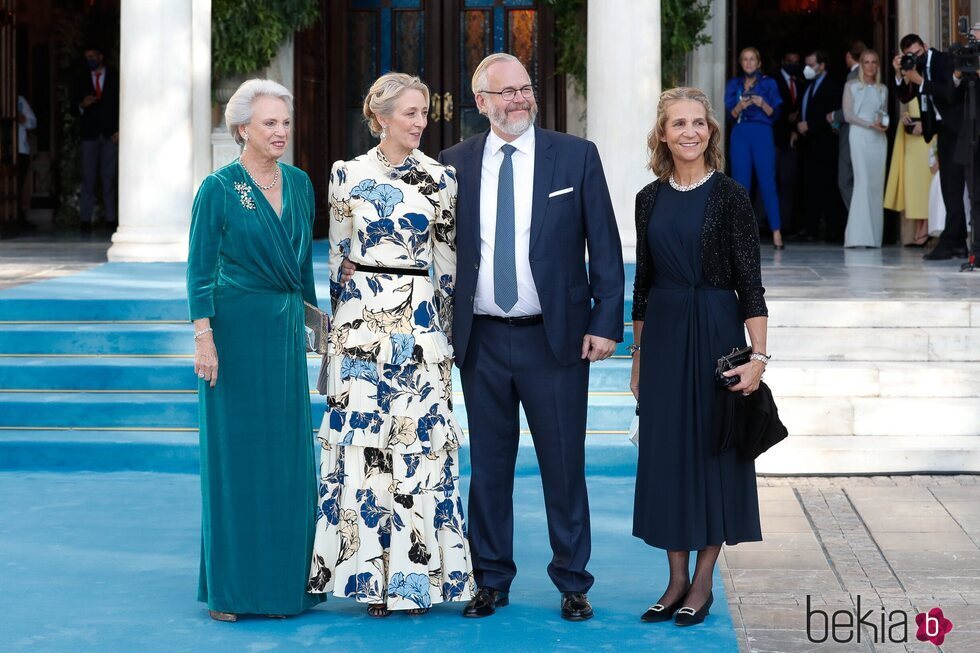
[{"x": 909, "y": 176}]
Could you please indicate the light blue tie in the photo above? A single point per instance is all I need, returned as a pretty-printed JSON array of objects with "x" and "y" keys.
[{"x": 504, "y": 267}]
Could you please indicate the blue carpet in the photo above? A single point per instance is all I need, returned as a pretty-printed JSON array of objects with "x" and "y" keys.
[{"x": 108, "y": 562}]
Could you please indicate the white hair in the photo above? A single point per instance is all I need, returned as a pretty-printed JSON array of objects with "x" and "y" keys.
[
  {"x": 239, "y": 109},
  {"x": 479, "y": 80}
]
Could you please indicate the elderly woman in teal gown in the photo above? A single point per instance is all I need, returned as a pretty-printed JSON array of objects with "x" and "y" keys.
[{"x": 249, "y": 270}]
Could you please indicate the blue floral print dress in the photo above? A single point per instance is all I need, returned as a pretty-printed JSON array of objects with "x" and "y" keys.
[{"x": 390, "y": 526}]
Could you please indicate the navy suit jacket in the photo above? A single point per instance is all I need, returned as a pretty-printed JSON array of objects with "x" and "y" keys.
[{"x": 575, "y": 301}]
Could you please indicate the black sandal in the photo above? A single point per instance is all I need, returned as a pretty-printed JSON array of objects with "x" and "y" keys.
[
  {"x": 417, "y": 612},
  {"x": 378, "y": 610}
]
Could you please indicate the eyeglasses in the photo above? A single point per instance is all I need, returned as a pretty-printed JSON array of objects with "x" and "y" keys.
[{"x": 508, "y": 94}]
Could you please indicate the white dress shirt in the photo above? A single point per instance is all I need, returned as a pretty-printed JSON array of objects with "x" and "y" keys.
[{"x": 523, "y": 160}]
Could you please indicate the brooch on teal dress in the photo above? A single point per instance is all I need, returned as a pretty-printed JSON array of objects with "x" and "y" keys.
[{"x": 245, "y": 195}]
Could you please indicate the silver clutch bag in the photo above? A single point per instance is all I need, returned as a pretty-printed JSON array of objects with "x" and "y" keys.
[{"x": 317, "y": 327}]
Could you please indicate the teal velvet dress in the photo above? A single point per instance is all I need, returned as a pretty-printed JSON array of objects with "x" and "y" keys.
[{"x": 250, "y": 270}]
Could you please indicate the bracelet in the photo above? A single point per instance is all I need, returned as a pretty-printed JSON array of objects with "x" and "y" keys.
[
  {"x": 762, "y": 358},
  {"x": 197, "y": 336},
  {"x": 632, "y": 349}
]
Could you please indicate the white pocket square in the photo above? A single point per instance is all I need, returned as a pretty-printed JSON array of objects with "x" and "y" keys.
[{"x": 561, "y": 192}]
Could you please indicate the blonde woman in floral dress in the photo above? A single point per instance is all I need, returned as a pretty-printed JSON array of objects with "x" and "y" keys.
[{"x": 390, "y": 528}]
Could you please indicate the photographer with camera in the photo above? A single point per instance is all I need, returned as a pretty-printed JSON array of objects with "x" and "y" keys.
[{"x": 927, "y": 74}]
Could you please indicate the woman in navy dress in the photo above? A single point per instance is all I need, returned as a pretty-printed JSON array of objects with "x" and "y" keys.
[
  {"x": 753, "y": 101},
  {"x": 697, "y": 282}
]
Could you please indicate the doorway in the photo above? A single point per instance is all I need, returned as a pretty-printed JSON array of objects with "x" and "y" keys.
[{"x": 441, "y": 41}]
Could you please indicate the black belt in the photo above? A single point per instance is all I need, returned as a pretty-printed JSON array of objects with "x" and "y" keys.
[
  {"x": 529, "y": 320},
  {"x": 374, "y": 269}
]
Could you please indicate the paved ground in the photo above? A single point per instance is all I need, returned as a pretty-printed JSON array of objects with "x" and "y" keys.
[
  {"x": 905, "y": 543},
  {"x": 25, "y": 260}
]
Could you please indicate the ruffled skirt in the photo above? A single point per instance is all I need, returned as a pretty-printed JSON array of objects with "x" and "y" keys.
[{"x": 390, "y": 526}]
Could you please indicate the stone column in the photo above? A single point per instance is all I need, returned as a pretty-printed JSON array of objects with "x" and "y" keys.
[
  {"x": 707, "y": 64},
  {"x": 165, "y": 76},
  {"x": 623, "y": 89},
  {"x": 921, "y": 18}
]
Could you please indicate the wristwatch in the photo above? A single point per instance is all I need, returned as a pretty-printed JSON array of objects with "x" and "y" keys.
[
  {"x": 632, "y": 349},
  {"x": 762, "y": 358}
]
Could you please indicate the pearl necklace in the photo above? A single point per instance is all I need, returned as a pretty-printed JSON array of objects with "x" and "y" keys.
[
  {"x": 684, "y": 189},
  {"x": 275, "y": 176}
]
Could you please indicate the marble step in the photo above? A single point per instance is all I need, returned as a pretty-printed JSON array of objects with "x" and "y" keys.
[
  {"x": 803, "y": 416},
  {"x": 178, "y": 452},
  {"x": 875, "y": 344},
  {"x": 152, "y": 374},
  {"x": 788, "y": 378},
  {"x": 113, "y": 339},
  {"x": 884, "y": 416},
  {"x": 872, "y": 454},
  {"x": 179, "y": 410},
  {"x": 786, "y": 343}
]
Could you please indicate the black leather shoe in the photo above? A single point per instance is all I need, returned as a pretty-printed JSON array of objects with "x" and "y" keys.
[
  {"x": 575, "y": 606},
  {"x": 486, "y": 602},
  {"x": 659, "y": 612},
  {"x": 690, "y": 616}
]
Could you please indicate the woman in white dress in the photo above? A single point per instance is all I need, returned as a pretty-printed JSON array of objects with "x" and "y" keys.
[
  {"x": 865, "y": 109},
  {"x": 390, "y": 530}
]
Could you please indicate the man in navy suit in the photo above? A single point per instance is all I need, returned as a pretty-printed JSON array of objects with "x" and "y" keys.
[{"x": 529, "y": 318}]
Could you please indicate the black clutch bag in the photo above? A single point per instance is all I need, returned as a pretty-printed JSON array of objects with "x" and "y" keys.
[
  {"x": 317, "y": 328},
  {"x": 735, "y": 359}
]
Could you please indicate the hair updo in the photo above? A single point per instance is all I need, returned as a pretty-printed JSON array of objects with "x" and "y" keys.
[{"x": 383, "y": 94}]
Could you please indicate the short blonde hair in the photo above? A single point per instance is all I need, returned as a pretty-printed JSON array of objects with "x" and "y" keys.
[
  {"x": 755, "y": 51},
  {"x": 661, "y": 161},
  {"x": 479, "y": 80},
  {"x": 239, "y": 109},
  {"x": 866, "y": 52},
  {"x": 384, "y": 92}
]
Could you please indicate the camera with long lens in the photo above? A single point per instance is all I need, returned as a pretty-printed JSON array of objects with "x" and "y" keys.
[{"x": 966, "y": 57}]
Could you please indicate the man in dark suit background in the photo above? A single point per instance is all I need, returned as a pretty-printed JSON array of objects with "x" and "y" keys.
[
  {"x": 819, "y": 151},
  {"x": 789, "y": 81},
  {"x": 529, "y": 318},
  {"x": 941, "y": 105},
  {"x": 96, "y": 98}
]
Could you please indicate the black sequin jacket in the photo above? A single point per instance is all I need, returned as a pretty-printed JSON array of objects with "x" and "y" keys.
[{"x": 729, "y": 247}]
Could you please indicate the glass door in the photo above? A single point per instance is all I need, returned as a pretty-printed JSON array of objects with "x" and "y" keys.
[{"x": 441, "y": 41}]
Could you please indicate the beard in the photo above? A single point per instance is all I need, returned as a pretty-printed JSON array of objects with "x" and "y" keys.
[{"x": 502, "y": 120}]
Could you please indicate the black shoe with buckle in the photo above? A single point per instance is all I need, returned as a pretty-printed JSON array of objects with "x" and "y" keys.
[
  {"x": 575, "y": 606},
  {"x": 486, "y": 602},
  {"x": 659, "y": 612},
  {"x": 690, "y": 617}
]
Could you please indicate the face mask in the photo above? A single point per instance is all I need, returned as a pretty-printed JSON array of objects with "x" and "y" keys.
[
  {"x": 792, "y": 68},
  {"x": 92, "y": 64},
  {"x": 809, "y": 73},
  {"x": 752, "y": 75}
]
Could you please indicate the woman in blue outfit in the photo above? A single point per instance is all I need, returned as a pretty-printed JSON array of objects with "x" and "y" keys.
[
  {"x": 698, "y": 288},
  {"x": 752, "y": 100}
]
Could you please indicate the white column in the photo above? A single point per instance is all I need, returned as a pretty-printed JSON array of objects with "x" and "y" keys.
[
  {"x": 201, "y": 93},
  {"x": 162, "y": 74},
  {"x": 917, "y": 17},
  {"x": 623, "y": 89},
  {"x": 707, "y": 63}
]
